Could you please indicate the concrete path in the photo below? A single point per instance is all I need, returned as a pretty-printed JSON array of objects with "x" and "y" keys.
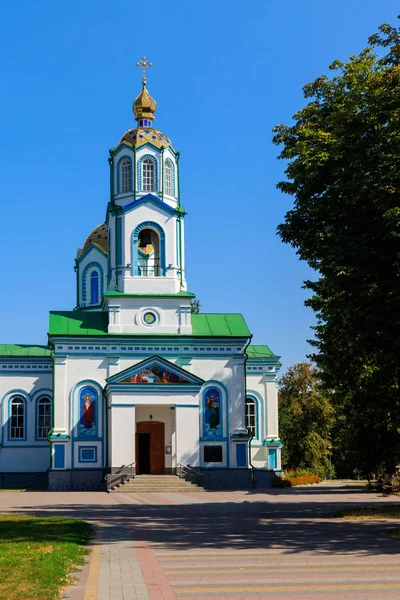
[{"x": 279, "y": 544}]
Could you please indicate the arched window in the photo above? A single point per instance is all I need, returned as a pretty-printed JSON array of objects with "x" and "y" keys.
[
  {"x": 148, "y": 175},
  {"x": 125, "y": 176},
  {"x": 148, "y": 250},
  {"x": 43, "y": 418},
  {"x": 149, "y": 253},
  {"x": 250, "y": 416},
  {"x": 89, "y": 288},
  {"x": 212, "y": 410},
  {"x": 17, "y": 418},
  {"x": 168, "y": 183},
  {"x": 94, "y": 287}
]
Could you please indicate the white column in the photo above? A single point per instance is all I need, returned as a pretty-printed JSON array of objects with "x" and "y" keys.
[
  {"x": 61, "y": 400},
  {"x": 236, "y": 398},
  {"x": 271, "y": 410},
  {"x": 187, "y": 434},
  {"x": 123, "y": 430}
]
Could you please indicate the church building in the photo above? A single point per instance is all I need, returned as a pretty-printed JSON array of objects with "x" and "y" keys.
[{"x": 135, "y": 374}]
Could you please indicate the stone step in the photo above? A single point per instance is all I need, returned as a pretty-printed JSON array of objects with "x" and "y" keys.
[
  {"x": 157, "y": 490},
  {"x": 157, "y": 483}
]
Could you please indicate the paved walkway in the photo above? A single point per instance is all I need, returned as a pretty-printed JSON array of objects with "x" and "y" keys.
[{"x": 279, "y": 544}]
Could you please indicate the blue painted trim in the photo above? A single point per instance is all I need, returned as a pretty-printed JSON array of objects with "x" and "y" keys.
[
  {"x": 109, "y": 271},
  {"x": 89, "y": 249},
  {"x": 219, "y": 439},
  {"x": 37, "y": 397},
  {"x": 155, "y": 358},
  {"x": 272, "y": 458},
  {"x": 173, "y": 185},
  {"x": 140, "y": 168},
  {"x": 85, "y": 284},
  {"x": 241, "y": 455},
  {"x": 214, "y": 383},
  {"x": 100, "y": 406},
  {"x": 116, "y": 404},
  {"x": 259, "y": 406},
  {"x": 118, "y": 225},
  {"x": 10, "y": 400},
  {"x": 145, "y": 145},
  {"x": 119, "y": 174},
  {"x": 80, "y": 454},
  {"x": 187, "y": 406},
  {"x": 59, "y": 456},
  {"x": 134, "y": 246},
  {"x": 150, "y": 199}
]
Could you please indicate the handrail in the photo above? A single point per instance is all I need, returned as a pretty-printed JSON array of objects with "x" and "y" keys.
[
  {"x": 187, "y": 469},
  {"x": 120, "y": 475}
]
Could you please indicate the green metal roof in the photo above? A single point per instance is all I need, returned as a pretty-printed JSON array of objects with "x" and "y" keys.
[
  {"x": 23, "y": 350},
  {"x": 220, "y": 325},
  {"x": 85, "y": 323},
  {"x": 116, "y": 294},
  {"x": 254, "y": 351},
  {"x": 78, "y": 322}
]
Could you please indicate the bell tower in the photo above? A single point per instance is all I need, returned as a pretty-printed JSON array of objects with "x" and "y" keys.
[{"x": 145, "y": 217}]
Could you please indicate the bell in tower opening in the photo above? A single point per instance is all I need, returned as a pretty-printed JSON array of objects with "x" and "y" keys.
[{"x": 149, "y": 253}]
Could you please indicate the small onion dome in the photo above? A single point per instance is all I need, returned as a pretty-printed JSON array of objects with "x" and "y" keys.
[
  {"x": 143, "y": 135},
  {"x": 144, "y": 106},
  {"x": 98, "y": 237}
]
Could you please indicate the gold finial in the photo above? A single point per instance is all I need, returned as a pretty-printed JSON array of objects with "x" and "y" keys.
[{"x": 144, "y": 64}]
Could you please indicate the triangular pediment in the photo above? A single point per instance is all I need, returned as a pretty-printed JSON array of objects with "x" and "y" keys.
[
  {"x": 150, "y": 199},
  {"x": 155, "y": 371}
]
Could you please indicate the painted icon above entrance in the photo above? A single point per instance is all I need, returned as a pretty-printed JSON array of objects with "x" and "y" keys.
[
  {"x": 155, "y": 371},
  {"x": 155, "y": 374}
]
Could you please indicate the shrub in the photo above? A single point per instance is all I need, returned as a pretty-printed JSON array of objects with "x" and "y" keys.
[
  {"x": 294, "y": 477},
  {"x": 304, "y": 480}
]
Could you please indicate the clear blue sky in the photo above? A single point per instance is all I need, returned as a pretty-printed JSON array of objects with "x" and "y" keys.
[{"x": 225, "y": 72}]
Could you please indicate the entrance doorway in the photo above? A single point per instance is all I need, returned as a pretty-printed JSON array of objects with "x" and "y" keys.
[{"x": 150, "y": 444}]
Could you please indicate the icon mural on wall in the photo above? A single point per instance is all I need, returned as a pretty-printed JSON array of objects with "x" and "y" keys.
[
  {"x": 154, "y": 374},
  {"x": 87, "y": 421},
  {"x": 212, "y": 413}
]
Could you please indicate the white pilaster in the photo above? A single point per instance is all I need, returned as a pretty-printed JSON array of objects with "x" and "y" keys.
[{"x": 187, "y": 435}]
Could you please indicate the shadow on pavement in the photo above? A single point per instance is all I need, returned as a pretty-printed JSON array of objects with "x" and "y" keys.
[{"x": 290, "y": 527}]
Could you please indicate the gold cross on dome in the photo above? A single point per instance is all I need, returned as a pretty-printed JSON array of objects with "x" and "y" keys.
[{"x": 144, "y": 64}]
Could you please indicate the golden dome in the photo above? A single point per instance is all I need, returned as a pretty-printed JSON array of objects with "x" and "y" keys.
[
  {"x": 139, "y": 136},
  {"x": 98, "y": 237},
  {"x": 144, "y": 106}
]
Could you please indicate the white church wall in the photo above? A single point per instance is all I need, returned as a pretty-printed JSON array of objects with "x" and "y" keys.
[
  {"x": 187, "y": 436},
  {"x": 263, "y": 389},
  {"x": 85, "y": 448},
  {"x": 172, "y": 315},
  {"x": 122, "y": 434},
  {"x": 27, "y": 454}
]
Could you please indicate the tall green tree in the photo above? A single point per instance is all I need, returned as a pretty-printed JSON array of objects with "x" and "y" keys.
[
  {"x": 343, "y": 170},
  {"x": 306, "y": 418}
]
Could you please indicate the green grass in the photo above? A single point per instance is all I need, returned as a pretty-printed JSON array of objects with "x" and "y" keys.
[
  {"x": 386, "y": 511},
  {"x": 37, "y": 555}
]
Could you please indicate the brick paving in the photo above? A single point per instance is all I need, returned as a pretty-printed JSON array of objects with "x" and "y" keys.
[{"x": 279, "y": 544}]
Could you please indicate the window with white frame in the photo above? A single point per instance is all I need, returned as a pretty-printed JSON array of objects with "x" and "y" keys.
[
  {"x": 148, "y": 175},
  {"x": 168, "y": 178},
  {"x": 43, "y": 418},
  {"x": 250, "y": 416},
  {"x": 125, "y": 176},
  {"x": 17, "y": 418}
]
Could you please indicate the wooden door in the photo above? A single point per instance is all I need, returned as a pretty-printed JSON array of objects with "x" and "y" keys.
[{"x": 156, "y": 429}]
